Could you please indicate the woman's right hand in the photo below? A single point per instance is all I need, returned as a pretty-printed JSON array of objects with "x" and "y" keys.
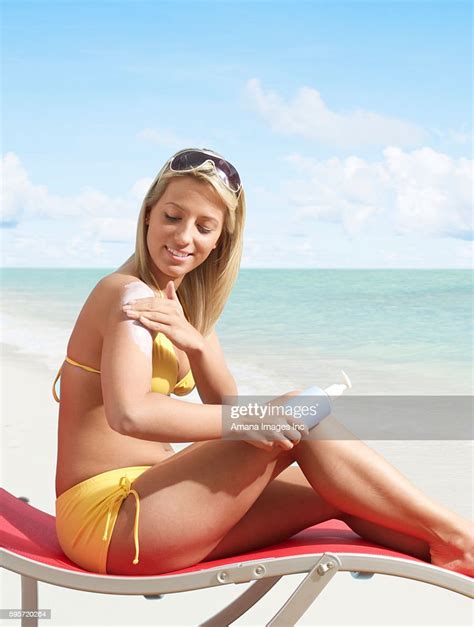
[{"x": 288, "y": 432}]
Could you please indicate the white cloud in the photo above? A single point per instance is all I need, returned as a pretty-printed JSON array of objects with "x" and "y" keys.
[
  {"x": 21, "y": 197},
  {"x": 140, "y": 188},
  {"x": 81, "y": 247},
  {"x": 433, "y": 192},
  {"x": 111, "y": 229},
  {"x": 466, "y": 251},
  {"x": 307, "y": 115},
  {"x": 74, "y": 247},
  {"x": 95, "y": 226},
  {"x": 19, "y": 248},
  {"x": 22, "y": 200},
  {"x": 460, "y": 136},
  {"x": 422, "y": 191}
]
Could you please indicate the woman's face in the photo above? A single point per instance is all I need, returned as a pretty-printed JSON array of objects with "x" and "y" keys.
[{"x": 184, "y": 227}]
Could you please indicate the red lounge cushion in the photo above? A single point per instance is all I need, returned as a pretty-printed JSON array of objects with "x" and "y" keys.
[{"x": 30, "y": 532}]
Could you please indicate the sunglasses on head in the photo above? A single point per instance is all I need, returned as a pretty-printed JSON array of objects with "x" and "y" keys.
[{"x": 192, "y": 158}]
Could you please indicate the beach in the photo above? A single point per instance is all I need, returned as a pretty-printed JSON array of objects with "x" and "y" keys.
[{"x": 443, "y": 469}]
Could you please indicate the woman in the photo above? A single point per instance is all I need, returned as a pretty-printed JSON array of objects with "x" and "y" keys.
[{"x": 126, "y": 503}]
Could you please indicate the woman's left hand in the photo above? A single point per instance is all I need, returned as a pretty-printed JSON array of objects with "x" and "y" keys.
[{"x": 166, "y": 316}]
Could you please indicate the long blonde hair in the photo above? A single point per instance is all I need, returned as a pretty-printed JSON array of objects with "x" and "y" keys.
[{"x": 204, "y": 291}]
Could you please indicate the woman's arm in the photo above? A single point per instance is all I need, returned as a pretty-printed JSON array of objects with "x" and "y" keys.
[
  {"x": 211, "y": 374},
  {"x": 164, "y": 419},
  {"x": 131, "y": 408}
]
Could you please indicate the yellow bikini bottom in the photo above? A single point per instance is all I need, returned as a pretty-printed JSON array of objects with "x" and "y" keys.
[{"x": 87, "y": 512}]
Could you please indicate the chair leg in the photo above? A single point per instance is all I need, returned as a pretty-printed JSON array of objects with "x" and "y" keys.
[
  {"x": 29, "y": 600},
  {"x": 242, "y": 603},
  {"x": 304, "y": 595}
]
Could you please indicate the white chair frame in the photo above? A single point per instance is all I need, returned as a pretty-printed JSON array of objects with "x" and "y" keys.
[{"x": 320, "y": 568}]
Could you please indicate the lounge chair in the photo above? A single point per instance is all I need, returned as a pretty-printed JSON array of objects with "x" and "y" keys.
[{"x": 30, "y": 548}]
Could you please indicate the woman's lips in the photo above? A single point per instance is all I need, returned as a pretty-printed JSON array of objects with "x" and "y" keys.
[{"x": 179, "y": 256}]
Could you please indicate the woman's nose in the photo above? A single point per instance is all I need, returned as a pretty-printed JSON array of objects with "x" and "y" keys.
[{"x": 183, "y": 234}]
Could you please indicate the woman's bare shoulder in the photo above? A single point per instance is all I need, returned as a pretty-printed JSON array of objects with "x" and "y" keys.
[
  {"x": 113, "y": 290},
  {"x": 113, "y": 285},
  {"x": 107, "y": 294}
]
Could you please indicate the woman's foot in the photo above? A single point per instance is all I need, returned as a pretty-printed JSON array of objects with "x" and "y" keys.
[{"x": 455, "y": 551}]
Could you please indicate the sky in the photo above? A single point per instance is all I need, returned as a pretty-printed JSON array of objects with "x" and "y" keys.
[{"x": 350, "y": 124}]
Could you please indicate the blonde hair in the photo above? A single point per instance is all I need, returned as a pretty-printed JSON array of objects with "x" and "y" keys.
[{"x": 204, "y": 291}]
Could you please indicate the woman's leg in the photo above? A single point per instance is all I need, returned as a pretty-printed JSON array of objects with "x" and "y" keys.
[
  {"x": 218, "y": 484},
  {"x": 287, "y": 505},
  {"x": 189, "y": 502},
  {"x": 357, "y": 480},
  {"x": 292, "y": 494}
]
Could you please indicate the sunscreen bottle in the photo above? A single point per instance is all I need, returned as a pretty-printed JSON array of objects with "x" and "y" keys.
[{"x": 320, "y": 406}]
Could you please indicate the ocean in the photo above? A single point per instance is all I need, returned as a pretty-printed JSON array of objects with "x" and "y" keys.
[{"x": 393, "y": 331}]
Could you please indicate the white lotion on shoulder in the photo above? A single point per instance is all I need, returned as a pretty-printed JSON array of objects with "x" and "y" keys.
[{"x": 140, "y": 335}]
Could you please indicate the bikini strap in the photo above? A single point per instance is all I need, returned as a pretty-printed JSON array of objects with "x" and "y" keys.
[
  {"x": 55, "y": 396},
  {"x": 76, "y": 363},
  {"x": 73, "y": 363}
]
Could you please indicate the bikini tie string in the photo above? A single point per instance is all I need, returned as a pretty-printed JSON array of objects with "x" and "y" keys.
[{"x": 124, "y": 489}]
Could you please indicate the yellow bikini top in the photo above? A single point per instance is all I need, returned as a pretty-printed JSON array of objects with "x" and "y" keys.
[{"x": 165, "y": 370}]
